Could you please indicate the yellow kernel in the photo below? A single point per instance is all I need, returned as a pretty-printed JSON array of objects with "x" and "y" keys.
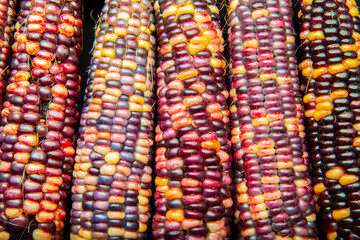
[
  {"x": 256, "y": 199},
  {"x": 159, "y": 181},
  {"x": 217, "y": 63},
  {"x": 141, "y": 86},
  {"x": 108, "y": 169},
  {"x": 175, "y": 215},
  {"x": 195, "y": 48},
  {"x": 171, "y": 10},
  {"x": 257, "y": 207},
  {"x": 188, "y": 8},
  {"x": 353, "y": 11},
  {"x": 216, "y": 225},
  {"x": 316, "y": 35},
  {"x": 251, "y": 149},
  {"x": 242, "y": 198},
  {"x": 108, "y": 52},
  {"x": 233, "y": 6},
  {"x": 310, "y": 113},
  {"x": 320, "y": 71},
  {"x": 116, "y": 232},
  {"x": 188, "y": 73},
  {"x": 307, "y": 2},
  {"x": 272, "y": 179},
  {"x": 331, "y": 236},
  {"x": 259, "y": 13},
  {"x": 110, "y": 37},
  {"x": 112, "y": 157},
  {"x": 39, "y": 234},
  {"x": 199, "y": 39},
  {"x": 173, "y": 193},
  {"x": 251, "y": 43},
  {"x": 129, "y": 64},
  {"x": 260, "y": 121},
  {"x": 307, "y": 72},
  {"x": 348, "y": 179},
  {"x": 339, "y": 93},
  {"x": 336, "y": 68},
  {"x": 324, "y": 98},
  {"x": 290, "y": 39},
  {"x": 301, "y": 183},
  {"x": 239, "y": 69},
  {"x": 341, "y": 213},
  {"x": 326, "y": 106},
  {"x": 5, "y": 235},
  {"x": 351, "y": 63},
  {"x": 348, "y": 48},
  {"x": 321, "y": 114},
  {"x": 211, "y": 144},
  {"x": 144, "y": 44},
  {"x": 260, "y": 215},
  {"x": 335, "y": 173},
  {"x": 248, "y": 232},
  {"x": 202, "y": 17},
  {"x": 266, "y": 76},
  {"x": 356, "y": 142},
  {"x": 356, "y": 126},
  {"x": 304, "y": 64},
  {"x": 177, "y": 39},
  {"x": 284, "y": 165},
  {"x": 266, "y": 152}
]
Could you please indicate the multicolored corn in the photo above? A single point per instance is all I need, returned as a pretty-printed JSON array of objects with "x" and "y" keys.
[
  {"x": 7, "y": 19},
  {"x": 112, "y": 176},
  {"x": 193, "y": 163},
  {"x": 40, "y": 118},
  {"x": 273, "y": 192},
  {"x": 330, "y": 47}
]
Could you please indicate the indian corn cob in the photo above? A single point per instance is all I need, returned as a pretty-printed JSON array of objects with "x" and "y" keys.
[
  {"x": 7, "y": 17},
  {"x": 273, "y": 193},
  {"x": 193, "y": 159},
  {"x": 40, "y": 118},
  {"x": 112, "y": 176},
  {"x": 329, "y": 34}
]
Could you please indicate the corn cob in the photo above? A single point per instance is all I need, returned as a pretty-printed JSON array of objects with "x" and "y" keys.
[
  {"x": 112, "y": 177},
  {"x": 272, "y": 187},
  {"x": 329, "y": 34},
  {"x": 192, "y": 169},
  {"x": 40, "y": 116},
  {"x": 7, "y": 15}
]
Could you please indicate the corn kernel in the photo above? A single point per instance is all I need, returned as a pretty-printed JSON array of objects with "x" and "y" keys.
[
  {"x": 339, "y": 93},
  {"x": 174, "y": 193},
  {"x": 259, "y": 13},
  {"x": 307, "y": 72},
  {"x": 188, "y": 73},
  {"x": 260, "y": 121},
  {"x": 348, "y": 48},
  {"x": 341, "y": 213},
  {"x": 320, "y": 71},
  {"x": 260, "y": 215},
  {"x": 348, "y": 179},
  {"x": 253, "y": 43},
  {"x": 242, "y": 198},
  {"x": 256, "y": 199},
  {"x": 335, "y": 173},
  {"x": 314, "y": 35},
  {"x": 170, "y": 10},
  {"x": 331, "y": 236},
  {"x": 351, "y": 63},
  {"x": 304, "y": 64},
  {"x": 353, "y": 11},
  {"x": 175, "y": 215},
  {"x": 324, "y": 106},
  {"x": 321, "y": 114}
]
